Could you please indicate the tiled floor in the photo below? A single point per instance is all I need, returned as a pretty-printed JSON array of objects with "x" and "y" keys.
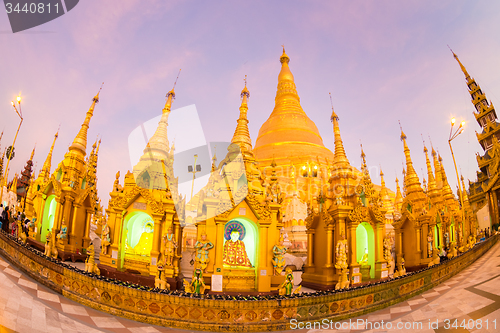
[{"x": 470, "y": 296}]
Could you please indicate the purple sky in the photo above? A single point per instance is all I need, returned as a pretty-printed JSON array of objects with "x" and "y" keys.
[{"x": 383, "y": 61}]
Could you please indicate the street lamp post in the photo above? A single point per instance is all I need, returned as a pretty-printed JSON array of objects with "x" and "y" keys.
[
  {"x": 194, "y": 169},
  {"x": 453, "y": 135},
  {"x": 20, "y": 114}
]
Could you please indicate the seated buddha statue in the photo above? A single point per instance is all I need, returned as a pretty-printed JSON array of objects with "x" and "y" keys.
[
  {"x": 364, "y": 259},
  {"x": 235, "y": 254}
]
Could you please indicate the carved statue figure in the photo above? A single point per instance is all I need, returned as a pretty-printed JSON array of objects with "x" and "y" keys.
[
  {"x": 116, "y": 185},
  {"x": 202, "y": 247},
  {"x": 430, "y": 239},
  {"x": 161, "y": 279},
  {"x": 62, "y": 235},
  {"x": 401, "y": 268},
  {"x": 278, "y": 260},
  {"x": 31, "y": 225},
  {"x": 197, "y": 286},
  {"x": 170, "y": 246},
  {"x": 235, "y": 254},
  {"x": 388, "y": 254},
  {"x": 452, "y": 253},
  {"x": 447, "y": 239},
  {"x": 21, "y": 234},
  {"x": 341, "y": 252},
  {"x": 364, "y": 259},
  {"x": 286, "y": 288},
  {"x": 105, "y": 238},
  {"x": 50, "y": 248},
  {"x": 90, "y": 265},
  {"x": 460, "y": 234}
]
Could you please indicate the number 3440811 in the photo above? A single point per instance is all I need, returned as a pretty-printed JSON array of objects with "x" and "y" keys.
[{"x": 32, "y": 8}]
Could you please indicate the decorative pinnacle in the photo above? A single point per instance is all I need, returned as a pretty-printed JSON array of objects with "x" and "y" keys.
[
  {"x": 403, "y": 135},
  {"x": 96, "y": 98},
  {"x": 467, "y": 76},
  {"x": 284, "y": 58},
  {"x": 245, "y": 91},
  {"x": 172, "y": 92},
  {"x": 334, "y": 115}
]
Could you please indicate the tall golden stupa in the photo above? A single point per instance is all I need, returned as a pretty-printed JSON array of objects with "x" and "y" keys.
[
  {"x": 289, "y": 145},
  {"x": 289, "y": 136}
]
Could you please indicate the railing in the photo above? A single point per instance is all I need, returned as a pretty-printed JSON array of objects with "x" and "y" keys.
[{"x": 226, "y": 313}]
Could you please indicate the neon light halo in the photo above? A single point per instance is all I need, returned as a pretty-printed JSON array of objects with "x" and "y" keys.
[{"x": 230, "y": 226}]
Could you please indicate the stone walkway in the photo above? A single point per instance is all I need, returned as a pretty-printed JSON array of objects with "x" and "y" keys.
[{"x": 469, "y": 297}]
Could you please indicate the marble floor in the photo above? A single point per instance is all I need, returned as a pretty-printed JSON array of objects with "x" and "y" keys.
[{"x": 471, "y": 297}]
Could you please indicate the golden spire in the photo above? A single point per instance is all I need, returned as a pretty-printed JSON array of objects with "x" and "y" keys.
[
  {"x": 241, "y": 135},
  {"x": 412, "y": 183},
  {"x": 437, "y": 171},
  {"x": 285, "y": 73},
  {"x": 363, "y": 160},
  {"x": 32, "y": 153},
  {"x": 340, "y": 156},
  {"x": 431, "y": 189},
  {"x": 399, "y": 197},
  {"x": 478, "y": 98},
  {"x": 45, "y": 172},
  {"x": 157, "y": 148},
  {"x": 170, "y": 97},
  {"x": 467, "y": 76},
  {"x": 288, "y": 126},
  {"x": 465, "y": 197},
  {"x": 447, "y": 192},
  {"x": 80, "y": 142},
  {"x": 13, "y": 187},
  {"x": 382, "y": 181},
  {"x": 214, "y": 159}
]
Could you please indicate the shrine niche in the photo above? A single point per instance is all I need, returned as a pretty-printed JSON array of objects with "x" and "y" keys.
[
  {"x": 67, "y": 195},
  {"x": 350, "y": 211},
  {"x": 241, "y": 219},
  {"x": 143, "y": 228}
]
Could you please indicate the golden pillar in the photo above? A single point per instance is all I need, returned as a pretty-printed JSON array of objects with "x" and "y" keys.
[
  {"x": 86, "y": 228},
  {"x": 381, "y": 270},
  {"x": 494, "y": 206},
  {"x": 419, "y": 242},
  {"x": 39, "y": 218},
  {"x": 219, "y": 244},
  {"x": 328, "y": 269},
  {"x": 309, "y": 268},
  {"x": 155, "y": 248},
  {"x": 264, "y": 271},
  {"x": 57, "y": 217},
  {"x": 399, "y": 245}
]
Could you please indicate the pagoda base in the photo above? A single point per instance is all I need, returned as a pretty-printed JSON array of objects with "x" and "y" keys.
[{"x": 144, "y": 280}]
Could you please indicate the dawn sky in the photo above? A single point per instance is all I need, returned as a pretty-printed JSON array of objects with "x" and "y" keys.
[{"x": 382, "y": 61}]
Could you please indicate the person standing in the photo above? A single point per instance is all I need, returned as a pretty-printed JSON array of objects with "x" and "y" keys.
[{"x": 1, "y": 217}]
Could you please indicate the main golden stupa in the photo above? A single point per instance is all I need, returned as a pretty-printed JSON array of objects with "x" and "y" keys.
[{"x": 289, "y": 136}]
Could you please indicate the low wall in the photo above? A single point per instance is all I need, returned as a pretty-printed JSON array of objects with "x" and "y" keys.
[{"x": 211, "y": 314}]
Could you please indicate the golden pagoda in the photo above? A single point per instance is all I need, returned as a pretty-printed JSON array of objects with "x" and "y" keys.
[
  {"x": 238, "y": 221},
  {"x": 142, "y": 233},
  {"x": 484, "y": 192},
  {"x": 426, "y": 221},
  {"x": 351, "y": 210},
  {"x": 35, "y": 197},
  {"x": 291, "y": 141},
  {"x": 65, "y": 203}
]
